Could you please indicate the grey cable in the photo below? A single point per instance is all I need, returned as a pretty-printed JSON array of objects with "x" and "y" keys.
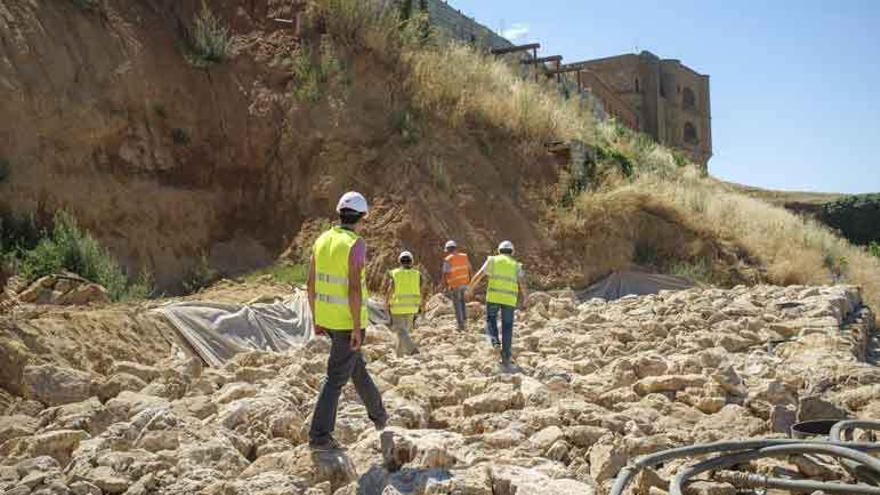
[
  {"x": 677, "y": 483},
  {"x": 749, "y": 480},
  {"x": 628, "y": 472}
]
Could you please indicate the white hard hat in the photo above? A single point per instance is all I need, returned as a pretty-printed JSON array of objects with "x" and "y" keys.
[
  {"x": 450, "y": 244},
  {"x": 505, "y": 245},
  {"x": 353, "y": 201},
  {"x": 404, "y": 255}
]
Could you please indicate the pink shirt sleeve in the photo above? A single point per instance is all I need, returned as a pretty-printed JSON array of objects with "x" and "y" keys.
[{"x": 358, "y": 256}]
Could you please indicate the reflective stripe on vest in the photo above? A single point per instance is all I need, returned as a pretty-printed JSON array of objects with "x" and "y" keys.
[
  {"x": 459, "y": 273},
  {"x": 407, "y": 296},
  {"x": 502, "y": 271},
  {"x": 332, "y": 251}
]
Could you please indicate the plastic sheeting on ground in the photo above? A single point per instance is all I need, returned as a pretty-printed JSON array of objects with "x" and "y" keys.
[
  {"x": 631, "y": 282},
  {"x": 216, "y": 332}
]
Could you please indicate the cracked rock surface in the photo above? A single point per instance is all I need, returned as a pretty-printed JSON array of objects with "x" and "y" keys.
[{"x": 594, "y": 384}]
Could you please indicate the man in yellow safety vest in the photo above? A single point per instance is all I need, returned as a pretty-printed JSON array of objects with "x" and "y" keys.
[
  {"x": 403, "y": 300},
  {"x": 506, "y": 287},
  {"x": 337, "y": 294}
]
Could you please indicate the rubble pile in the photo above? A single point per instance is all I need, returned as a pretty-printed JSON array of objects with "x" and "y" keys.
[
  {"x": 63, "y": 289},
  {"x": 595, "y": 384}
]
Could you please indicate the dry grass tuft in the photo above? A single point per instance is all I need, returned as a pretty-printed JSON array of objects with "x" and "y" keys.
[
  {"x": 794, "y": 250},
  {"x": 461, "y": 85}
]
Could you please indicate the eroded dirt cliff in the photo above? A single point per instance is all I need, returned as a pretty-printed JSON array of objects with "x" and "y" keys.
[{"x": 102, "y": 115}]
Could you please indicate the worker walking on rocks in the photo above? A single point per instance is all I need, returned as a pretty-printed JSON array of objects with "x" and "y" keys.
[
  {"x": 505, "y": 288},
  {"x": 457, "y": 271},
  {"x": 337, "y": 293},
  {"x": 403, "y": 300}
]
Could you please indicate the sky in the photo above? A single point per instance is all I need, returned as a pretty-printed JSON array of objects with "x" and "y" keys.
[{"x": 794, "y": 84}]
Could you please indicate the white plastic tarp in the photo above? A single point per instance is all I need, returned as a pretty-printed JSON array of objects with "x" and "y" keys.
[{"x": 216, "y": 332}]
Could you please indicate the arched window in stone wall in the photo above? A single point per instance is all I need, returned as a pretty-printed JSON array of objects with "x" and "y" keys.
[
  {"x": 690, "y": 134},
  {"x": 688, "y": 101}
]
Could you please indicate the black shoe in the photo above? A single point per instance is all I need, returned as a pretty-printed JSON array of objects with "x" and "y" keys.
[
  {"x": 329, "y": 443},
  {"x": 496, "y": 343}
]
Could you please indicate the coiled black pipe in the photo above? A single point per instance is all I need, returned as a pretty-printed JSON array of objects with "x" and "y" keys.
[
  {"x": 676, "y": 486},
  {"x": 628, "y": 472}
]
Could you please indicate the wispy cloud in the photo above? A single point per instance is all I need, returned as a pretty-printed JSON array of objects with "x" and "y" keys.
[{"x": 516, "y": 32}]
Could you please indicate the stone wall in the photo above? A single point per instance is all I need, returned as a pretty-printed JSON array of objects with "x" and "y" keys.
[{"x": 459, "y": 26}]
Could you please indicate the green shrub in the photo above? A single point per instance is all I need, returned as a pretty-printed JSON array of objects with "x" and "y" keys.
[
  {"x": 209, "y": 39},
  {"x": 86, "y": 4},
  {"x": 313, "y": 76},
  {"x": 440, "y": 176},
  {"x": 404, "y": 123},
  {"x": 19, "y": 233},
  {"x": 159, "y": 110},
  {"x": 295, "y": 274},
  {"x": 70, "y": 248},
  {"x": 874, "y": 249},
  {"x": 200, "y": 275},
  {"x": 180, "y": 136},
  {"x": 5, "y": 168},
  {"x": 698, "y": 270}
]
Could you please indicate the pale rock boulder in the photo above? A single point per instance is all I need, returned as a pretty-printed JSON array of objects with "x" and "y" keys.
[
  {"x": 493, "y": 402},
  {"x": 730, "y": 382},
  {"x": 334, "y": 467},
  {"x": 471, "y": 481},
  {"x": 108, "y": 480},
  {"x": 217, "y": 454},
  {"x": 199, "y": 407},
  {"x": 16, "y": 426},
  {"x": 112, "y": 386},
  {"x": 84, "y": 488},
  {"x": 607, "y": 456},
  {"x": 269, "y": 483},
  {"x": 54, "y": 385},
  {"x": 815, "y": 407},
  {"x": 514, "y": 480},
  {"x": 145, "y": 372},
  {"x": 58, "y": 444},
  {"x": 505, "y": 438},
  {"x": 14, "y": 356},
  {"x": 668, "y": 383},
  {"x": 424, "y": 449},
  {"x": 732, "y": 421},
  {"x": 710, "y": 488},
  {"x": 584, "y": 436},
  {"x": 543, "y": 439},
  {"x": 234, "y": 391},
  {"x": 89, "y": 415},
  {"x": 128, "y": 404}
]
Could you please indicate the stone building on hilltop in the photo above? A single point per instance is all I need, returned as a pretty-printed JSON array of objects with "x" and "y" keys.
[
  {"x": 661, "y": 97},
  {"x": 670, "y": 101}
]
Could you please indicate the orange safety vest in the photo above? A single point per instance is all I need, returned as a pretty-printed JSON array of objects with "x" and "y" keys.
[{"x": 459, "y": 274}]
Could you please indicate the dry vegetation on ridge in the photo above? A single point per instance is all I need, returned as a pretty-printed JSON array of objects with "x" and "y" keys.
[{"x": 459, "y": 84}]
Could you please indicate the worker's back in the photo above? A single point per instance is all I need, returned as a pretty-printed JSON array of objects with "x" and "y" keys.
[{"x": 332, "y": 252}]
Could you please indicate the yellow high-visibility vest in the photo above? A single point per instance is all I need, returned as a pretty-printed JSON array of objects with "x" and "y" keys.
[
  {"x": 407, "y": 295},
  {"x": 332, "y": 251},
  {"x": 502, "y": 271}
]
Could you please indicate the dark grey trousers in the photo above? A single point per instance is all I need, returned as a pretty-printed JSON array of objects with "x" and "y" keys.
[{"x": 344, "y": 363}]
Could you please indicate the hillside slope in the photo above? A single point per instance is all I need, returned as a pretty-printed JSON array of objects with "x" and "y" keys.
[
  {"x": 167, "y": 159},
  {"x": 102, "y": 115}
]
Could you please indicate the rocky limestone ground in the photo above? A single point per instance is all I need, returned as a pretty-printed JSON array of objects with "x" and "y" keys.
[{"x": 596, "y": 384}]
